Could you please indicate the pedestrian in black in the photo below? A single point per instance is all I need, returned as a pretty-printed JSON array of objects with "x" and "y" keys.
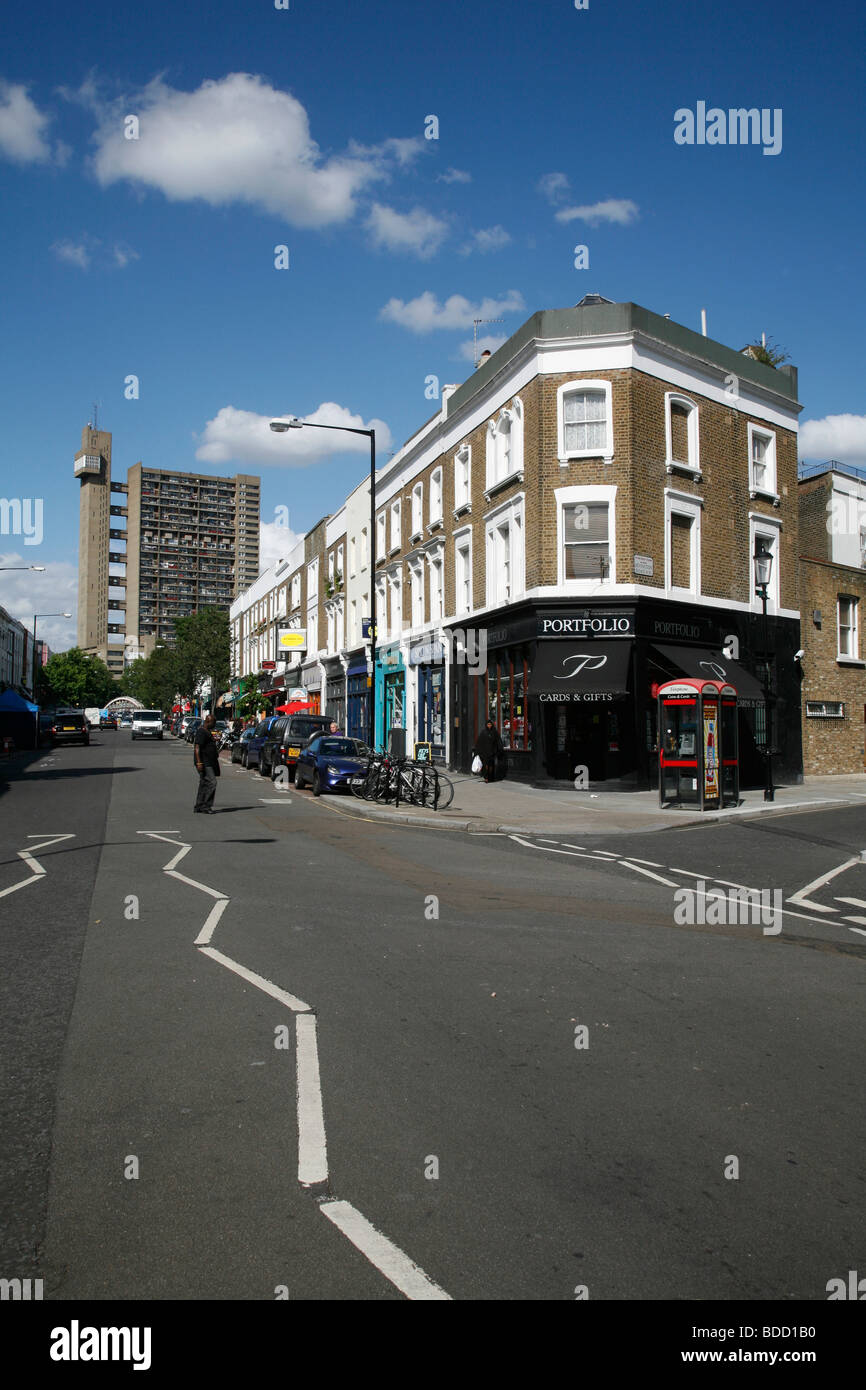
[
  {"x": 207, "y": 762},
  {"x": 489, "y": 747}
]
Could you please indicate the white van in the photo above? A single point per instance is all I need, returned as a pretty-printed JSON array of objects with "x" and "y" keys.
[
  {"x": 147, "y": 723},
  {"x": 92, "y": 717}
]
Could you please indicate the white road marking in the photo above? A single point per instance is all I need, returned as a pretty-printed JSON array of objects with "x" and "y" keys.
[
  {"x": 278, "y": 801},
  {"x": 669, "y": 882},
  {"x": 801, "y": 897},
  {"x": 861, "y": 920},
  {"x": 652, "y": 863},
  {"x": 383, "y": 1253},
  {"x": 312, "y": 1146},
  {"x": 572, "y": 854},
  {"x": 729, "y": 884},
  {"x": 37, "y": 871},
  {"x": 213, "y": 917},
  {"x": 282, "y": 995},
  {"x": 858, "y": 930},
  {"x": 852, "y": 902},
  {"x": 194, "y": 883},
  {"x": 688, "y": 872}
]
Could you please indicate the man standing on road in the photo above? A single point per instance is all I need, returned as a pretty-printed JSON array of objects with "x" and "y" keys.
[{"x": 207, "y": 763}]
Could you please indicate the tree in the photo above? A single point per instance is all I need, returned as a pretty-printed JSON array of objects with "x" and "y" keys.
[
  {"x": 203, "y": 650},
  {"x": 767, "y": 353},
  {"x": 74, "y": 678}
]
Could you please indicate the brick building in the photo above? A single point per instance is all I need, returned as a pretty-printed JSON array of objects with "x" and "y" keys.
[
  {"x": 832, "y": 599},
  {"x": 576, "y": 524}
]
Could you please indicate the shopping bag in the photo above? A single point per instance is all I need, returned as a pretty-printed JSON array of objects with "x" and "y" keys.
[{"x": 477, "y": 764}]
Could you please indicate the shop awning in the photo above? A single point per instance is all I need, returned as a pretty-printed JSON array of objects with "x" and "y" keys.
[
  {"x": 581, "y": 670},
  {"x": 706, "y": 664}
]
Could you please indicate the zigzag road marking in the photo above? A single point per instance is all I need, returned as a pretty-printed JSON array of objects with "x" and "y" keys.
[
  {"x": 37, "y": 871},
  {"x": 313, "y": 1173}
]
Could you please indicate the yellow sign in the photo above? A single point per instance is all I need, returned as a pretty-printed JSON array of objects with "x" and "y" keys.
[{"x": 292, "y": 640}]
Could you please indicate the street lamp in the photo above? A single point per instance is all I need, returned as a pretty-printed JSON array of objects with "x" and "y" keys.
[
  {"x": 763, "y": 571},
  {"x": 280, "y": 427},
  {"x": 42, "y": 615}
]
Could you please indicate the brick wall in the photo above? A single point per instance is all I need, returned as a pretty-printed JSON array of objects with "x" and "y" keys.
[{"x": 831, "y": 745}]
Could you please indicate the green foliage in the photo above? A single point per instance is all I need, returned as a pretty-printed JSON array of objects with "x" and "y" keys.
[
  {"x": 769, "y": 354},
  {"x": 203, "y": 649},
  {"x": 74, "y": 678}
]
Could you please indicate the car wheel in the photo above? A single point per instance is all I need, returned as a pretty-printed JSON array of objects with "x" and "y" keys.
[
  {"x": 244, "y": 762},
  {"x": 298, "y": 782},
  {"x": 317, "y": 783},
  {"x": 263, "y": 768}
]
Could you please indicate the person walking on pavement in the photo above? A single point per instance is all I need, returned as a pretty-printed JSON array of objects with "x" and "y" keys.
[
  {"x": 207, "y": 762},
  {"x": 489, "y": 747}
]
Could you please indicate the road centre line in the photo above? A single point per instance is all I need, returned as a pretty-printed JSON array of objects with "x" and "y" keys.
[
  {"x": 382, "y": 1253},
  {"x": 852, "y": 902},
  {"x": 668, "y": 882},
  {"x": 570, "y": 853},
  {"x": 37, "y": 870},
  {"x": 211, "y": 921},
  {"x": 194, "y": 883},
  {"x": 312, "y": 1145},
  {"x": 688, "y": 872},
  {"x": 266, "y": 986},
  {"x": 651, "y": 862},
  {"x": 801, "y": 897}
]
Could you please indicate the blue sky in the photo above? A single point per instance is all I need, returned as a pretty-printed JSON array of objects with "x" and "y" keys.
[{"x": 305, "y": 127}]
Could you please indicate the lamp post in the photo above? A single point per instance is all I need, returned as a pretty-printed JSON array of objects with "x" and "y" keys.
[
  {"x": 279, "y": 427},
  {"x": 763, "y": 571},
  {"x": 42, "y": 615}
]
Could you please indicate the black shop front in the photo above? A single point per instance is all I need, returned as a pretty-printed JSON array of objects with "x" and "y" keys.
[{"x": 572, "y": 690}]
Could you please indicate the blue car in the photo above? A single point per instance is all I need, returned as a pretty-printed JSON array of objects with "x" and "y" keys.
[
  {"x": 329, "y": 761},
  {"x": 253, "y": 747}
]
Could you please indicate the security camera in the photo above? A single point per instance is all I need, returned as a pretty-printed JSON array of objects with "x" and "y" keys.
[{"x": 798, "y": 656}]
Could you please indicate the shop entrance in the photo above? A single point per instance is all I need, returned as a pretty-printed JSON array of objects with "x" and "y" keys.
[{"x": 585, "y": 735}]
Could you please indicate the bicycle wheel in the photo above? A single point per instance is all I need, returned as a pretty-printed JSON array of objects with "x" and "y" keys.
[
  {"x": 360, "y": 788},
  {"x": 446, "y": 791}
]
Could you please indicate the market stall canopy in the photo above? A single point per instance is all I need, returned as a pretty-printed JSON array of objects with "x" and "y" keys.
[
  {"x": 578, "y": 671},
  {"x": 13, "y": 703}
]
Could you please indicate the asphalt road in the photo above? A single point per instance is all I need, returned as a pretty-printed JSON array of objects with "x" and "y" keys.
[{"x": 499, "y": 1150}]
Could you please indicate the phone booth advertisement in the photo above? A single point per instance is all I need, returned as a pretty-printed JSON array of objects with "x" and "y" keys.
[{"x": 698, "y": 755}]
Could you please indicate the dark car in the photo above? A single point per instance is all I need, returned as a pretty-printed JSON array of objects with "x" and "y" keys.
[
  {"x": 328, "y": 763},
  {"x": 287, "y": 738},
  {"x": 239, "y": 745},
  {"x": 256, "y": 742},
  {"x": 70, "y": 728},
  {"x": 108, "y": 721},
  {"x": 192, "y": 729}
]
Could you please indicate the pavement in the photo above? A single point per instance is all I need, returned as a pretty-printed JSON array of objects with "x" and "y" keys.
[{"x": 516, "y": 808}]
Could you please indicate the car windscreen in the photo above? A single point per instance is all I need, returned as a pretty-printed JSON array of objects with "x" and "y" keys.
[
  {"x": 336, "y": 748},
  {"x": 148, "y": 714}
]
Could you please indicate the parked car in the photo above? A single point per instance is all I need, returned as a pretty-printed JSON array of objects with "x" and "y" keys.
[
  {"x": 328, "y": 763},
  {"x": 192, "y": 729},
  {"x": 239, "y": 744},
  {"x": 108, "y": 721},
  {"x": 286, "y": 739},
  {"x": 70, "y": 728},
  {"x": 254, "y": 745},
  {"x": 147, "y": 723},
  {"x": 185, "y": 721}
]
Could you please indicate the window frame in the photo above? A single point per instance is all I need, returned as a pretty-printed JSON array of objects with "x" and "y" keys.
[
  {"x": 462, "y": 543},
  {"x": 435, "y": 518},
  {"x": 514, "y": 415},
  {"x": 771, "y": 530},
  {"x": 417, "y": 510},
  {"x": 771, "y": 491},
  {"x": 692, "y": 465},
  {"x": 852, "y": 657},
  {"x": 684, "y": 504},
  {"x": 463, "y": 465},
  {"x": 577, "y": 495},
  {"x": 577, "y": 387},
  {"x": 395, "y": 524},
  {"x": 512, "y": 512}
]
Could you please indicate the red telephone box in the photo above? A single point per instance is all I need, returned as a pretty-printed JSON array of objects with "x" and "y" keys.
[{"x": 698, "y": 754}]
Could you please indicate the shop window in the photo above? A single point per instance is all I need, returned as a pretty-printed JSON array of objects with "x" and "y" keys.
[
  {"x": 584, "y": 424},
  {"x": 505, "y": 699},
  {"x": 848, "y": 639}
]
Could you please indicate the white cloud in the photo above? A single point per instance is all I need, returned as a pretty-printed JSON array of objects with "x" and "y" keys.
[
  {"x": 426, "y": 313},
  {"x": 487, "y": 343},
  {"x": 23, "y": 126},
  {"x": 73, "y": 252},
  {"x": 235, "y": 140},
  {"x": 405, "y": 150},
  {"x": 619, "y": 210},
  {"x": 55, "y": 590},
  {"x": 123, "y": 254},
  {"x": 553, "y": 186},
  {"x": 244, "y": 437},
  {"x": 454, "y": 176},
  {"x": 419, "y": 232},
  {"x": 486, "y": 239},
  {"x": 841, "y": 437},
  {"x": 275, "y": 543}
]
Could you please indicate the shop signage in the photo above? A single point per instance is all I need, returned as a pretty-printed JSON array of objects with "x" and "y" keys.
[
  {"x": 566, "y": 697},
  {"x": 269, "y": 666},
  {"x": 297, "y": 692},
  {"x": 688, "y": 631},
  {"x": 588, "y": 625},
  {"x": 427, "y": 654},
  {"x": 292, "y": 639},
  {"x": 643, "y": 564}
]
